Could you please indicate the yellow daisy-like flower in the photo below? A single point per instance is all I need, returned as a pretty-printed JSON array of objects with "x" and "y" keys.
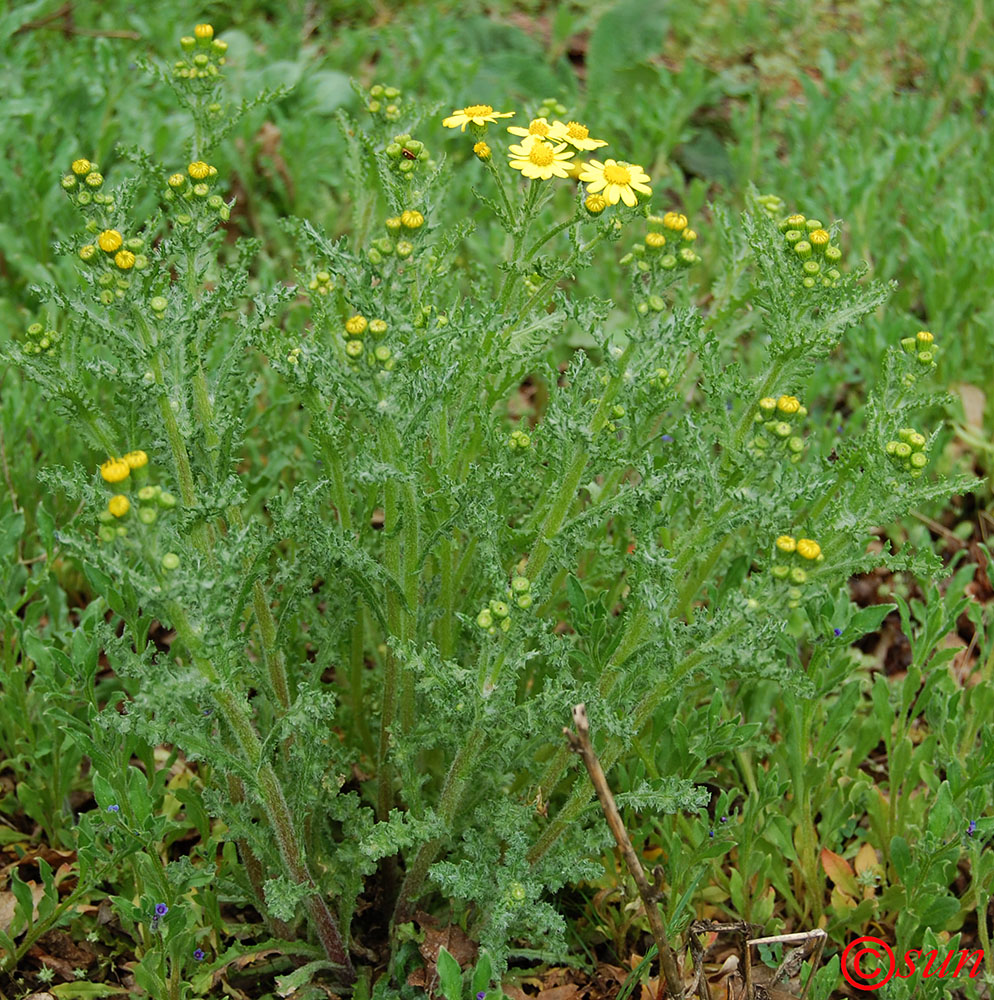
[
  {"x": 205, "y": 32},
  {"x": 576, "y": 135},
  {"x": 81, "y": 167},
  {"x": 616, "y": 180},
  {"x": 110, "y": 240},
  {"x": 198, "y": 170},
  {"x": 788, "y": 404},
  {"x": 124, "y": 259},
  {"x": 136, "y": 459},
  {"x": 540, "y": 160},
  {"x": 807, "y": 549},
  {"x": 115, "y": 470},
  {"x": 482, "y": 151},
  {"x": 477, "y": 114},
  {"x": 786, "y": 544},
  {"x": 539, "y": 128},
  {"x": 119, "y": 505}
]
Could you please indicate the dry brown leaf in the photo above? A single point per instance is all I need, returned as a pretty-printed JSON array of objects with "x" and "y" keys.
[{"x": 974, "y": 402}]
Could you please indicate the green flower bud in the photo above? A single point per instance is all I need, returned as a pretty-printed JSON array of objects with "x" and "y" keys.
[
  {"x": 833, "y": 255},
  {"x": 106, "y": 533},
  {"x": 780, "y": 572},
  {"x": 918, "y": 460},
  {"x": 382, "y": 353},
  {"x": 376, "y": 90},
  {"x": 809, "y": 282},
  {"x": 391, "y": 93},
  {"x": 803, "y": 249},
  {"x": 797, "y": 575},
  {"x": 656, "y": 303},
  {"x": 667, "y": 262},
  {"x": 170, "y": 561},
  {"x": 404, "y": 249},
  {"x": 793, "y": 236},
  {"x": 642, "y": 308},
  {"x": 686, "y": 257},
  {"x": 166, "y": 500},
  {"x": 796, "y": 444},
  {"x": 782, "y": 429},
  {"x": 523, "y": 601},
  {"x": 902, "y": 450},
  {"x": 521, "y": 585},
  {"x": 374, "y": 256},
  {"x": 147, "y": 515},
  {"x": 925, "y": 357},
  {"x": 499, "y": 609},
  {"x": 353, "y": 348},
  {"x": 485, "y": 619},
  {"x": 812, "y": 224},
  {"x": 811, "y": 267},
  {"x": 83, "y": 198}
]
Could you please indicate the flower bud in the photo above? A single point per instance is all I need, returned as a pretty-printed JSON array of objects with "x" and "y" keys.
[
  {"x": 793, "y": 236},
  {"x": 353, "y": 348},
  {"x": 198, "y": 170},
  {"x": 124, "y": 259},
  {"x": 812, "y": 224},
  {"x": 482, "y": 151},
  {"x": 654, "y": 241},
  {"x": 166, "y": 500},
  {"x": 656, "y": 303},
  {"x": 808, "y": 549},
  {"x": 485, "y": 619},
  {"x": 803, "y": 249},
  {"x": 780, "y": 572},
  {"x": 81, "y": 167},
  {"x": 412, "y": 219},
  {"x": 119, "y": 505},
  {"x": 595, "y": 203},
  {"x": 170, "y": 561},
  {"x": 147, "y": 515},
  {"x": 404, "y": 249},
  {"x": 203, "y": 32},
  {"x": 833, "y": 255},
  {"x": 926, "y": 357},
  {"x": 918, "y": 460},
  {"x": 676, "y": 222},
  {"x": 797, "y": 575},
  {"x": 786, "y": 544},
  {"x": 811, "y": 267}
]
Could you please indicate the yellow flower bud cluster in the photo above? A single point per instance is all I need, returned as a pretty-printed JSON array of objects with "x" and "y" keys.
[
  {"x": 203, "y": 57},
  {"x": 38, "y": 340},
  {"x": 321, "y": 283},
  {"x": 668, "y": 245},
  {"x": 496, "y": 615},
  {"x": 376, "y": 356},
  {"x": 793, "y": 555},
  {"x": 519, "y": 441},
  {"x": 83, "y": 185},
  {"x": 909, "y": 452},
  {"x": 385, "y": 102},
  {"x": 776, "y": 423},
  {"x": 112, "y": 257},
  {"x": 809, "y": 244},
  {"x": 405, "y": 226},
  {"x": 923, "y": 348},
  {"x": 150, "y": 499},
  {"x": 191, "y": 194}
]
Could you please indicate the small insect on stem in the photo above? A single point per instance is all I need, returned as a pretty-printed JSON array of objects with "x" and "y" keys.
[{"x": 408, "y": 155}]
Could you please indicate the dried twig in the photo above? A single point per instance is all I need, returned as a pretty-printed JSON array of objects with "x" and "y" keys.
[
  {"x": 580, "y": 743},
  {"x": 803, "y": 936}
]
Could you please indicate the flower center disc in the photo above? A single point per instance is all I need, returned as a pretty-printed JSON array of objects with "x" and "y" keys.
[
  {"x": 540, "y": 154},
  {"x": 538, "y": 128},
  {"x": 476, "y": 110},
  {"x": 615, "y": 174},
  {"x": 577, "y": 131}
]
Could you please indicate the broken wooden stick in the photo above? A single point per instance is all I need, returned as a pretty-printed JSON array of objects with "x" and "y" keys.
[{"x": 580, "y": 743}]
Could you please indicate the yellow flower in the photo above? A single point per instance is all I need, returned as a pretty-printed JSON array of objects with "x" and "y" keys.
[
  {"x": 478, "y": 114},
  {"x": 786, "y": 544},
  {"x": 412, "y": 219},
  {"x": 576, "y": 135},
  {"x": 675, "y": 221},
  {"x": 124, "y": 259},
  {"x": 115, "y": 470},
  {"x": 788, "y": 404},
  {"x": 540, "y": 160},
  {"x": 204, "y": 32},
  {"x": 110, "y": 240},
  {"x": 136, "y": 459},
  {"x": 807, "y": 549},
  {"x": 198, "y": 170},
  {"x": 655, "y": 240},
  {"x": 616, "y": 180},
  {"x": 595, "y": 204},
  {"x": 482, "y": 151},
  {"x": 81, "y": 167},
  {"x": 924, "y": 337},
  {"x": 356, "y": 325},
  {"x": 819, "y": 239},
  {"x": 539, "y": 128},
  {"x": 119, "y": 505}
]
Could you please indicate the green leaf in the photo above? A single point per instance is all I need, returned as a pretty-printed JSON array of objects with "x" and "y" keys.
[
  {"x": 450, "y": 975},
  {"x": 323, "y": 92},
  {"x": 576, "y": 597},
  {"x": 627, "y": 34},
  {"x": 939, "y": 912},
  {"x": 900, "y": 854},
  {"x": 483, "y": 974}
]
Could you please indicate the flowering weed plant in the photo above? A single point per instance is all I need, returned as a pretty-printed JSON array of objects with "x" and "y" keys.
[{"x": 358, "y": 540}]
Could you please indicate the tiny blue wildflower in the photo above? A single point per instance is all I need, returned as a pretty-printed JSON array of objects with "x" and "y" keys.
[
  {"x": 711, "y": 833},
  {"x": 837, "y": 632},
  {"x": 971, "y": 828},
  {"x": 724, "y": 819},
  {"x": 481, "y": 995},
  {"x": 114, "y": 808},
  {"x": 161, "y": 909},
  {"x": 666, "y": 437},
  {"x": 199, "y": 954}
]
